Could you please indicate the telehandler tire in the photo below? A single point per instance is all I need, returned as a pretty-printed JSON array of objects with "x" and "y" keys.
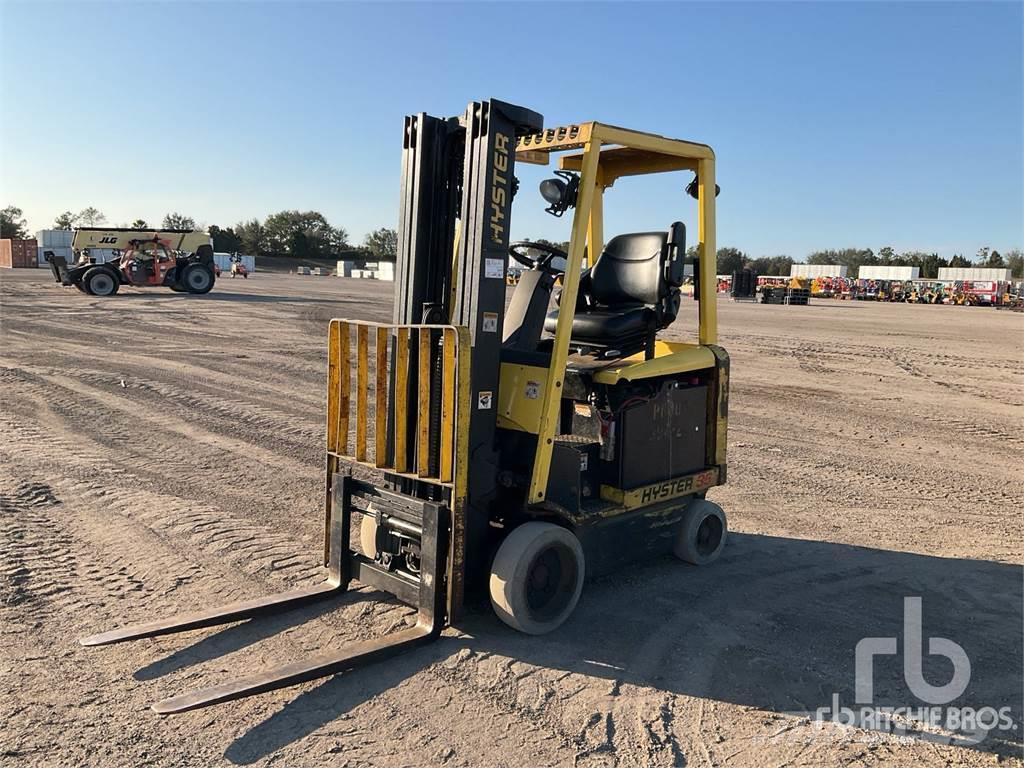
[
  {"x": 702, "y": 533},
  {"x": 99, "y": 282},
  {"x": 197, "y": 278},
  {"x": 537, "y": 577}
]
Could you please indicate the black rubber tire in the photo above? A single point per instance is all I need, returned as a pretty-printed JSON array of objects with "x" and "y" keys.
[
  {"x": 176, "y": 288},
  {"x": 100, "y": 282},
  {"x": 520, "y": 584},
  {"x": 198, "y": 278},
  {"x": 702, "y": 533}
]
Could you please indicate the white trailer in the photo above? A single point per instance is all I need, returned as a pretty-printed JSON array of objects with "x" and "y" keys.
[
  {"x": 889, "y": 273},
  {"x": 817, "y": 270},
  {"x": 982, "y": 274}
]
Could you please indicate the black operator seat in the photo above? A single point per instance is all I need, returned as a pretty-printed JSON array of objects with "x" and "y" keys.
[{"x": 630, "y": 293}]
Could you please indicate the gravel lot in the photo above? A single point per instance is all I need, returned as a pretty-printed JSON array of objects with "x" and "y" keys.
[{"x": 164, "y": 453}]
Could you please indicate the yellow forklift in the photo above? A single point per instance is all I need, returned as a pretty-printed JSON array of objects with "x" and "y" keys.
[{"x": 482, "y": 455}]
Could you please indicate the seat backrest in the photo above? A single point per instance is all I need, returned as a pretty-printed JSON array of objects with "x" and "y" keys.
[{"x": 639, "y": 268}]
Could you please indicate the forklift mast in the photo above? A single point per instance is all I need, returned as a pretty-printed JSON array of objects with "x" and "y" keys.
[{"x": 453, "y": 236}]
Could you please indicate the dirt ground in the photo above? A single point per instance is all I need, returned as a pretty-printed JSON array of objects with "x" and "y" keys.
[{"x": 164, "y": 453}]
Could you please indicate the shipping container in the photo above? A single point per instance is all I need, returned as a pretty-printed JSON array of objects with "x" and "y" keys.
[
  {"x": 817, "y": 270},
  {"x": 55, "y": 238},
  {"x": 223, "y": 260},
  {"x": 18, "y": 254},
  {"x": 888, "y": 273},
  {"x": 947, "y": 274}
]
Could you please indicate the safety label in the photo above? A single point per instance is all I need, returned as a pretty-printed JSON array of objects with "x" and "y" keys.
[
  {"x": 490, "y": 324},
  {"x": 484, "y": 400},
  {"x": 494, "y": 268},
  {"x": 532, "y": 390}
]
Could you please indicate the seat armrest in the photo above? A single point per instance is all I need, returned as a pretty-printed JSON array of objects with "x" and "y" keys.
[{"x": 675, "y": 254}]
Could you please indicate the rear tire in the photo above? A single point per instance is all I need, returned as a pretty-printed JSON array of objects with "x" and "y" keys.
[
  {"x": 537, "y": 577},
  {"x": 197, "y": 278},
  {"x": 100, "y": 282},
  {"x": 702, "y": 533}
]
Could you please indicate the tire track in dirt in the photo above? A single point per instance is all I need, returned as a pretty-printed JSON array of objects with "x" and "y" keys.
[{"x": 38, "y": 564}]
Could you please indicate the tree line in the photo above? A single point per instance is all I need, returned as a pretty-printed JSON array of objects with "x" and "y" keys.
[
  {"x": 295, "y": 234},
  {"x": 308, "y": 234}
]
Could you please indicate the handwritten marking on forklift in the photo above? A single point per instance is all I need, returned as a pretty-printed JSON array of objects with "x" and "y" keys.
[
  {"x": 485, "y": 400},
  {"x": 677, "y": 487},
  {"x": 499, "y": 198}
]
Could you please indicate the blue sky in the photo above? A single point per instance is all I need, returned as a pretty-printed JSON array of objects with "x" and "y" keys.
[{"x": 835, "y": 124}]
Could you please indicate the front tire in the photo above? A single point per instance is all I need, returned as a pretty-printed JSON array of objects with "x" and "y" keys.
[
  {"x": 100, "y": 282},
  {"x": 702, "y": 533},
  {"x": 197, "y": 278},
  {"x": 537, "y": 577}
]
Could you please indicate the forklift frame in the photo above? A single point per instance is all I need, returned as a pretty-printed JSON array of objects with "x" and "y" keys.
[
  {"x": 449, "y": 408},
  {"x": 632, "y": 153}
]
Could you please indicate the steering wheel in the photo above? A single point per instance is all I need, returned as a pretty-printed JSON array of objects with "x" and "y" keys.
[{"x": 520, "y": 249}]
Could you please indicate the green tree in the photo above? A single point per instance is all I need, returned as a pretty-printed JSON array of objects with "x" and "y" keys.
[
  {"x": 959, "y": 261},
  {"x": 90, "y": 217},
  {"x": 382, "y": 244},
  {"x": 139, "y": 224},
  {"x": 928, "y": 263},
  {"x": 65, "y": 221},
  {"x": 995, "y": 261},
  {"x": 852, "y": 258},
  {"x": 252, "y": 237},
  {"x": 303, "y": 234},
  {"x": 771, "y": 265},
  {"x": 12, "y": 223},
  {"x": 887, "y": 255},
  {"x": 225, "y": 240},
  {"x": 178, "y": 221},
  {"x": 1015, "y": 262},
  {"x": 729, "y": 260}
]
